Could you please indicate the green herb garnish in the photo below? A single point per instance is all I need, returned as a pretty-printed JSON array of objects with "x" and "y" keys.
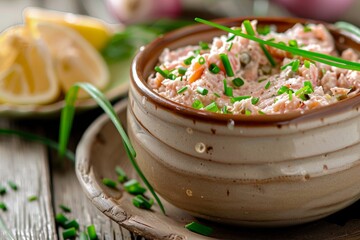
[
  {"x": 61, "y": 219},
  {"x": 164, "y": 73},
  {"x": 3, "y": 206},
  {"x": 202, "y": 91},
  {"x": 227, "y": 65},
  {"x": 32, "y": 198},
  {"x": 141, "y": 202},
  {"x": 212, "y": 107},
  {"x": 134, "y": 187},
  {"x": 204, "y": 45},
  {"x": 307, "y": 28},
  {"x": 122, "y": 177},
  {"x": 197, "y": 104},
  {"x": 201, "y": 60},
  {"x": 188, "y": 60},
  {"x": 239, "y": 98},
  {"x": 263, "y": 30},
  {"x": 199, "y": 228},
  {"x": 293, "y": 43},
  {"x": 13, "y": 185},
  {"x": 267, "y": 85},
  {"x": 65, "y": 208},
  {"x": 71, "y": 224},
  {"x": 182, "y": 70},
  {"x": 183, "y": 89},
  {"x": 230, "y": 46},
  {"x": 69, "y": 233},
  {"x": 216, "y": 95},
  {"x": 247, "y": 112},
  {"x": 254, "y": 100},
  {"x": 213, "y": 68},
  {"x": 295, "y": 65},
  {"x": 109, "y": 183},
  {"x": 238, "y": 82},
  {"x": 2, "y": 190},
  {"x": 92, "y": 232}
]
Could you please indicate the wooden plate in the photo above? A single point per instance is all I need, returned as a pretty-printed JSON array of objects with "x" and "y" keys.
[
  {"x": 101, "y": 149},
  {"x": 118, "y": 87}
]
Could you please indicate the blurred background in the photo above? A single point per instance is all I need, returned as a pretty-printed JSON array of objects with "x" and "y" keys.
[{"x": 132, "y": 11}]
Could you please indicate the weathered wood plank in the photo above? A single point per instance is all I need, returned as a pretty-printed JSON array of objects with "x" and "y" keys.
[{"x": 26, "y": 164}]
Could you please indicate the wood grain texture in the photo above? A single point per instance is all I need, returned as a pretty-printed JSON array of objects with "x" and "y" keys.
[
  {"x": 101, "y": 150},
  {"x": 26, "y": 164}
]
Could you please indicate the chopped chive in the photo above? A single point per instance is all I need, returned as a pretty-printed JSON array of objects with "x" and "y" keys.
[
  {"x": 261, "y": 112},
  {"x": 263, "y": 30},
  {"x": 231, "y": 38},
  {"x": 307, "y": 28},
  {"x": 295, "y": 65},
  {"x": 293, "y": 43},
  {"x": 212, "y": 107},
  {"x": 308, "y": 84},
  {"x": 216, "y": 95},
  {"x": 188, "y": 60},
  {"x": 122, "y": 177},
  {"x": 197, "y": 52},
  {"x": 134, "y": 187},
  {"x": 108, "y": 182},
  {"x": 227, "y": 65},
  {"x": 315, "y": 56},
  {"x": 247, "y": 112},
  {"x": 69, "y": 233},
  {"x": 13, "y": 185},
  {"x": 230, "y": 47},
  {"x": 65, "y": 208},
  {"x": 202, "y": 91},
  {"x": 199, "y": 228},
  {"x": 307, "y": 63},
  {"x": 71, "y": 224},
  {"x": 290, "y": 93},
  {"x": 239, "y": 98},
  {"x": 224, "y": 110},
  {"x": 267, "y": 85},
  {"x": 225, "y": 85},
  {"x": 213, "y": 68},
  {"x": 3, "y": 206},
  {"x": 163, "y": 73},
  {"x": 84, "y": 236},
  {"x": 238, "y": 82},
  {"x": 282, "y": 68},
  {"x": 282, "y": 89},
  {"x": 201, "y": 60},
  {"x": 197, "y": 104},
  {"x": 254, "y": 100},
  {"x": 32, "y": 198},
  {"x": 204, "y": 45},
  {"x": 183, "y": 89},
  {"x": 2, "y": 190},
  {"x": 141, "y": 202},
  {"x": 61, "y": 219},
  {"x": 229, "y": 92},
  {"x": 262, "y": 79},
  {"x": 92, "y": 232},
  {"x": 182, "y": 70},
  {"x": 171, "y": 76},
  {"x": 303, "y": 92}
]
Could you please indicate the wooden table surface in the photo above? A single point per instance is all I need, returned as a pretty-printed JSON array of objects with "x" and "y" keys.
[{"x": 38, "y": 171}]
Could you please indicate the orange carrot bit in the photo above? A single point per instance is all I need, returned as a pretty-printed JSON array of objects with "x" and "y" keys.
[{"x": 198, "y": 71}]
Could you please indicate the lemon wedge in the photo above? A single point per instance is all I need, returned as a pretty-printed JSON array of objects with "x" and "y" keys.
[
  {"x": 95, "y": 31},
  {"x": 26, "y": 70},
  {"x": 74, "y": 59}
]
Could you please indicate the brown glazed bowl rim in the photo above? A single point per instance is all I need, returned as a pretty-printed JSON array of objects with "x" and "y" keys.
[{"x": 139, "y": 81}]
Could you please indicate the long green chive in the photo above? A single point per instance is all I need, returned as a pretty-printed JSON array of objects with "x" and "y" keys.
[
  {"x": 250, "y": 31},
  {"x": 319, "y": 57},
  {"x": 3, "y": 206},
  {"x": 216, "y": 95},
  {"x": 133, "y": 187},
  {"x": 239, "y": 98},
  {"x": 283, "y": 89},
  {"x": 267, "y": 85},
  {"x": 61, "y": 219},
  {"x": 204, "y": 45},
  {"x": 213, "y": 68},
  {"x": 71, "y": 224},
  {"x": 65, "y": 208},
  {"x": 202, "y": 91},
  {"x": 122, "y": 177},
  {"x": 163, "y": 73},
  {"x": 293, "y": 43},
  {"x": 227, "y": 65},
  {"x": 238, "y": 82},
  {"x": 254, "y": 100},
  {"x": 197, "y": 104},
  {"x": 212, "y": 107},
  {"x": 69, "y": 233},
  {"x": 92, "y": 232},
  {"x": 201, "y": 60},
  {"x": 67, "y": 116},
  {"x": 199, "y": 228},
  {"x": 231, "y": 38},
  {"x": 183, "y": 89},
  {"x": 108, "y": 182},
  {"x": 182, "y": 70},
  {"x": 13, "y": 185},
  {"x": 140, "y": 201},
  {"x": 83, "y": 236},
  {"x": 2, "y": 190},
  {"x": 247, "y": 112},
  {"x": 188, "y": 60},
  {"x": 295, "y": 65},
  {"x": 230, "y": 47},
  {"x": 32, "y": 198}
]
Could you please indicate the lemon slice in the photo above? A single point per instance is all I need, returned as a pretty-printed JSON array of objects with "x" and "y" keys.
[
  {"x": 74, "y": 59},
  {"x": 95, "y": 31},
  {"x": 26, "y": 71}
]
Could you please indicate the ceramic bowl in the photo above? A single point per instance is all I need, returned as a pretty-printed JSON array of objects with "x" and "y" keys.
[{"x": 272, "y": 170}]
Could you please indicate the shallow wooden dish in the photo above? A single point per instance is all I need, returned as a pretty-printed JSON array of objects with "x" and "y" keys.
[{"x": 101, "y": 149}]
